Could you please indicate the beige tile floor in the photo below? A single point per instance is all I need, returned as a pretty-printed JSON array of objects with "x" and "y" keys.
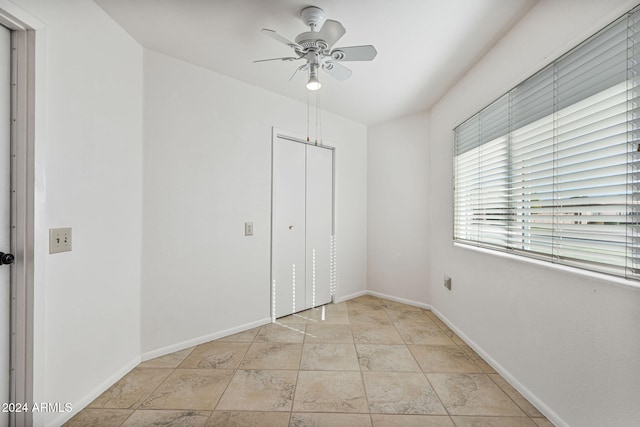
[{"x": 364, "y": 362}]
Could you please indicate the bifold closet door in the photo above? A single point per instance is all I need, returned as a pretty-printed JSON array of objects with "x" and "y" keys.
[
  {"x": 288, "y": 260},
  {"x": 302, "y": 215}
]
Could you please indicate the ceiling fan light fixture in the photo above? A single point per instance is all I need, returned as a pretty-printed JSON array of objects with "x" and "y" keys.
[{"x": 313, "y": 83}]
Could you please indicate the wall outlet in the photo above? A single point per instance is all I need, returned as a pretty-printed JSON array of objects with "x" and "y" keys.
[
  {"x": 59, "y": 240},
  {"x": 248, "y": 229},
  {"x": 447, "y": 282}
]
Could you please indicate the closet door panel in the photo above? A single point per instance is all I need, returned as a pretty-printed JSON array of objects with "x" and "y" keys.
[
  {"x": 319, "y": 219},
  {"x": 288, "y": 240}
]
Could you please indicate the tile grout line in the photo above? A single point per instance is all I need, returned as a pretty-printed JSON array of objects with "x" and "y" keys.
[
  {"x": 423, "y": 373},
  {"x": 234, "y": 373},
  {"x": 295, "y": 390},
  {"x": 364, "y": 387},
  {"x": 512, "y": 399},
  {"x": 144, "y": 398}
]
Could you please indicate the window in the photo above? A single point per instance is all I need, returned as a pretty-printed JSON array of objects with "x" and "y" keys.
[{"x": 551, "y": 169}]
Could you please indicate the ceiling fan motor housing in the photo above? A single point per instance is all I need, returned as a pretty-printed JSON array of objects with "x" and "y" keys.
[{"x": 310, "y": 40}]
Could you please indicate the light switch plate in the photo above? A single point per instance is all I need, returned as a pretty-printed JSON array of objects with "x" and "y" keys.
[
  {"x": 248, "y": 229},
  {"x": 59, "y": 240}
]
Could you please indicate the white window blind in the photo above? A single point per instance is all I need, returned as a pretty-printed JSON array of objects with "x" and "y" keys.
[{"x": 550, "y": 170}]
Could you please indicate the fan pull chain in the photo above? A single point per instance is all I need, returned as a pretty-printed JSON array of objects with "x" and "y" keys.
[
  {"x": 317, "y": 103},
  {"x": 308, "y": 116},
  {"x": 320, "y": 115}
]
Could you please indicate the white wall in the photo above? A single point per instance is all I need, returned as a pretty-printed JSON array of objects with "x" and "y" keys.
[
  {"x": 570, "y": 339},
  {"x": 89, "y": 157},
  {"x": 207, "y": 170},
  {"x": 398, "y": 208}
]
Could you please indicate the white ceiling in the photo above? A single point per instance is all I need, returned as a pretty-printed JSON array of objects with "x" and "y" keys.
[{"x": 424, "y": 46}]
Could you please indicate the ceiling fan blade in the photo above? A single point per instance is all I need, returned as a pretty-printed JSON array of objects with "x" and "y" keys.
[
  {"x": 337, "y": 71},
  {"x": 288, "y": 58},
  {"x": 303, "y": 67},
  {"x": 354, "y": 53},
  {"x": 279, "y": 38},
  {"x": 331, "y": 32}
]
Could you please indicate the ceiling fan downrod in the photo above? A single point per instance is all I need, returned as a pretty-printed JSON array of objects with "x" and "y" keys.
[{"x": 313, "y": 17}]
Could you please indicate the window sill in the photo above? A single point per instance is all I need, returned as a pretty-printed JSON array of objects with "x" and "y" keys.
[{"x": 575, "y": 271}]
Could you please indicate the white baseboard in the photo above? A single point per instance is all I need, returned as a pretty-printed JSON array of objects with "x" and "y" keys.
[
  {"x": 400, "y": 300},
  {"x": 350, "y": 296},
  {"x": 205, "y": 338},
  {"x": 82, "y": 403},
  {"x": 540, "y": 405}
]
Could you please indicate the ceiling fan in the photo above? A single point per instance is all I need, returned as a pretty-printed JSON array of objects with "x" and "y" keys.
[{"x": 316, "y": 48}]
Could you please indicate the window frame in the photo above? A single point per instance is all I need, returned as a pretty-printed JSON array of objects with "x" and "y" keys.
[{"x": 520, "y": 250}]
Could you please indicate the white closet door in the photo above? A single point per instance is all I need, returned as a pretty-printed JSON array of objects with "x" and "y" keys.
[
  {"x": 319, "y": 229},
  {"x": 5, "y": 226},
  {"x": 288, "y": 228}
]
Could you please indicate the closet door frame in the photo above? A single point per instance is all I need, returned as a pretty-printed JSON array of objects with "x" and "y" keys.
[
  {"x": 26, "y": 37},
  {"x": 293, "y": 137}
]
